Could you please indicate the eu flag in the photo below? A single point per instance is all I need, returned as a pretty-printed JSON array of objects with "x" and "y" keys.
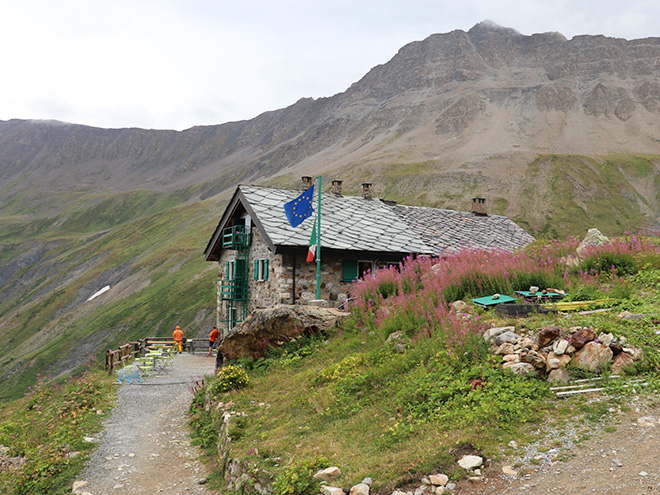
[{"x": 300, "y": 208}]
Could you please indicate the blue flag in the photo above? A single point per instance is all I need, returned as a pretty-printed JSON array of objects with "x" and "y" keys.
[{"x": 300, "y": 208}]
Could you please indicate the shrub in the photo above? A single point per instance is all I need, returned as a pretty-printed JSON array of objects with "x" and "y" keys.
[
  {"x": 298, "y": 478},
  {"x": 229, "y": 378},
  {"x": 606, "y": 262}
]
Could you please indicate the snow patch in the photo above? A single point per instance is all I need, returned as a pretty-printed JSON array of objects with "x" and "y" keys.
[{"x": 98, "y": 293}]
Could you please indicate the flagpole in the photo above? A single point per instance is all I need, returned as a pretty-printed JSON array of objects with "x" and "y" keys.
[{"x": 318, "y": 246}]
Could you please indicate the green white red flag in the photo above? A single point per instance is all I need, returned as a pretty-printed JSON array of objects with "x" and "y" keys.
[{"x": 311, "y": 254}]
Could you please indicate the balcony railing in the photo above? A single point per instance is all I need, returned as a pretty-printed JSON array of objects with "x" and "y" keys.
[{"x": 235, "y": 237}]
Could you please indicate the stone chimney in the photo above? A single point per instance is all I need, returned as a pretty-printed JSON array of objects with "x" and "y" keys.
[
  {"x": 366, "y": 190},
  {"x": 306, "y": 183},
  {"x": 336, "y": 187},
  {"x": 479, "y": 207}
]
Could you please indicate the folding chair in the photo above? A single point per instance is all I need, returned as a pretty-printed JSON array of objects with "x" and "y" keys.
[
  {"x": 146, "y": 365},
  {"x": 129, "y": 373}
]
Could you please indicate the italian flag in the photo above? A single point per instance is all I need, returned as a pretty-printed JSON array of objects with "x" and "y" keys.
[{"x": 311, "y": 254}]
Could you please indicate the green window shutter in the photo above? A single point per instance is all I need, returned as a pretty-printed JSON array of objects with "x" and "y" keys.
[
  {"x": 256, "y": 269},
  {"x": 227, "y": 270},
  {"x": 349, "y": 270},
  {"x": 266, "y": 269}
]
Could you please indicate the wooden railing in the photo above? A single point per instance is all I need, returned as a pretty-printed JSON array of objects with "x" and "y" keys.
[
  {"x": 131, "y": 350},
  {"x": 125, "y": 352}
]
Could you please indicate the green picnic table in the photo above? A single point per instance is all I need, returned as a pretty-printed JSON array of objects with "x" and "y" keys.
[
  {"x": 540, "y": 295},
  {"x": 488, "y": 301}
]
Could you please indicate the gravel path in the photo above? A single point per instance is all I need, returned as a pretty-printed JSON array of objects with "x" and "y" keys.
[
  {"x": 623, "y": 460},
  {"x": 145, "y": 447}
]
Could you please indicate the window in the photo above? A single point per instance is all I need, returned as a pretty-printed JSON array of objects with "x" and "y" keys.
[
  {"x": 229, "y": 270},
  {"x": 261, "y": 269},
  {"x": 353, "y": 269},
  {"x": 364, "y": 268}
]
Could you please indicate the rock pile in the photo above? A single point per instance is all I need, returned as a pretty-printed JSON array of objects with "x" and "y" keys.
[
  {"x": 433, "y": 484},
  {"x": 551, "y": 349}
]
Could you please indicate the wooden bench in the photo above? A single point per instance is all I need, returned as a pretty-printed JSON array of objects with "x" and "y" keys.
[{"x": 193, "y": 345}]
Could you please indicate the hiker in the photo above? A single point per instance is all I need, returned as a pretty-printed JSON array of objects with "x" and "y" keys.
[
  {"x": 212, "y": 338},
  {"x": 178, "y": 337}
]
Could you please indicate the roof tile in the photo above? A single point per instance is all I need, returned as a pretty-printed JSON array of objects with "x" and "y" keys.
[{"x": 354, "y": 223}]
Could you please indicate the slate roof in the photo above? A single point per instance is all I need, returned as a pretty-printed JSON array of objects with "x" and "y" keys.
[{"x": 352, "y": 223}]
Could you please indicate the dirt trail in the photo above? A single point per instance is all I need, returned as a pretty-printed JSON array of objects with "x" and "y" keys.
[
  {"x": 626, "y": 460},
  {"x": 145, "y": 447}
]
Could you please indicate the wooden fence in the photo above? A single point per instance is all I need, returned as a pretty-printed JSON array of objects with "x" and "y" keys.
[
  {"x": 125, "y": 352},
  {"x": 131, "y": 350}
]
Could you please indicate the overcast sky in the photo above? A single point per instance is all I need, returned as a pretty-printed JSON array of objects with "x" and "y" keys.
[{"x": 173, "y": 64}]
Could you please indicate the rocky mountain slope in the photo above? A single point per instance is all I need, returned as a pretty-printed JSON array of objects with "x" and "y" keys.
[{"x": 561, "y": 135}]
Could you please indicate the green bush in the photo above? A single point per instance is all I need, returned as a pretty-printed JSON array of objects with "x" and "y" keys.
[
  {"x": 298, "y": 479},
  {"x": 607, "y": 262},
  {"x": 229, "y": 378}
]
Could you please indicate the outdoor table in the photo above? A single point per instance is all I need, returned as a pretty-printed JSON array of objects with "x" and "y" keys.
[
  {"x": 540, "y": 296},
  {"x": 488, "y": 301}
]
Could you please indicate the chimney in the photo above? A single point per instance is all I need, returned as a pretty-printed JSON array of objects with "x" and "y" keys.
[
  {"x": 366, "y": 190},
  {"x": 479, "y": 207},
  {"x": 336, "y": 187},
  {"x": 306, "y": 183}
]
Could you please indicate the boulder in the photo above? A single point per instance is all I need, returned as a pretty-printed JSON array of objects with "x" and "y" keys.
[
  {"x": 560, "y": 346},
  {"x": 77, "y": 485},
  {"x": 491, "y": 333},
  {"x": 519, "y": 368},
  {"x": 622, "y": 362},
  {"x": 559, "y": 377},
  {"x": 360, "y": 489},
  {"x": 504, "y": 349},
  {"x": 582, "y": 336},
  {"x": 593, "y": 238},
  {"x": 439, "y": 479},
  {"x": 593, "y": 357},
  {"x": 470, "y": 462},
  {"x": 535, "y": 359},
  {"x": 328, "y": 474},
  {"x": 331, "y": 490},
  {"x": 547, "y": 335},
  {"x": 637, "y": 354},
  {"x": 616, "y": 347},
  {"x": 459, "y": 306},
  {"x": 507, "y": 337},
  {"x": 270, "y": 327},
  {"x": 557, "y": 361},
  {"x": 509, "y": 471}
]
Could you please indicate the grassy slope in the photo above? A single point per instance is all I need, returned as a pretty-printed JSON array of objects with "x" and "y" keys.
[
  {"x": 48, "y": 328},
  {"x": 570, "y": 191},
  {"x": 553, "y": 196}
]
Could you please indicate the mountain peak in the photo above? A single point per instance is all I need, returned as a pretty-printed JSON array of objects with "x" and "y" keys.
[{"x": 491, "y": 26}]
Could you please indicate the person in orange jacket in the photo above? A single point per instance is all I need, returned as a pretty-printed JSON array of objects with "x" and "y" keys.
[
  {"x": 178, "y": 337},
  {"x": 212, "y": 338}
]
